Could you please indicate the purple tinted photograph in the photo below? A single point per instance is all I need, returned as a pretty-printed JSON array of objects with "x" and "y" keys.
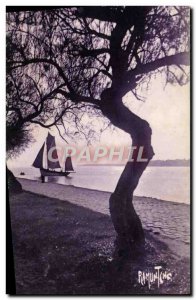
[{"x": 98, "y": 150}]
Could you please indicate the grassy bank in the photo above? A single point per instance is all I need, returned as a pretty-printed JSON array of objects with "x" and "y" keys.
[{"x": 62, "y": 248}]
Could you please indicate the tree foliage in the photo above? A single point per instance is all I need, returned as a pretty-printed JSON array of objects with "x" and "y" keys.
[{"x": 61, "y": 63}]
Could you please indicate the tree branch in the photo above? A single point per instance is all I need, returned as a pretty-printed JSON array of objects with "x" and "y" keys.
[
  {"x": 79, "y": 98},
  {"x": 93, "y": 52},
  {"x": 42, "y": 60},
  {"x": 104, "y": 13},
  {"x": 176, "y": 59}
]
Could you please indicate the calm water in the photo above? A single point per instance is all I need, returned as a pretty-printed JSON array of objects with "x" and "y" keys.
[{"x": 166, "y": 183}]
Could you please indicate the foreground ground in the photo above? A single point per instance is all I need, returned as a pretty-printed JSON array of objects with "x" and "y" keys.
[
  {"x": 62, "y": 248},
  {"x": 170, "y": 220}
]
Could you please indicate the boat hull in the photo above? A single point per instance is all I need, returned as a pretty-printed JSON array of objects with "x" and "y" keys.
[{"x": 46, "y": 172}]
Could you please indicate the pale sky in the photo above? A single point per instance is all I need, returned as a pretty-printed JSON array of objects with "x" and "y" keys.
[{"x": 168, "y": 113}]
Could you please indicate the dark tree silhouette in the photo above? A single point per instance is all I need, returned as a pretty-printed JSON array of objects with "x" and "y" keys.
[{"x": 94, "y": 56}]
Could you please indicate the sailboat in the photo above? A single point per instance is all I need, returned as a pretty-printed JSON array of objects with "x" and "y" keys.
[{"x": 48, "y": 167}]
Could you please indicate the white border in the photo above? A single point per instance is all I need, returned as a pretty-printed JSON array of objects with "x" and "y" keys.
[
  {"x": 2, "y": 106},
  {"x": 101, "y": 2}
]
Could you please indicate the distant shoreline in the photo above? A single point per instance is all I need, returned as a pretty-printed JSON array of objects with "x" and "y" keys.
[{"x": 153, "y": 163}]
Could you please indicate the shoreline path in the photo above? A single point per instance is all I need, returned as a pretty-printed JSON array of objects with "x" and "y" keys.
[{"x": 169, "y": 221}]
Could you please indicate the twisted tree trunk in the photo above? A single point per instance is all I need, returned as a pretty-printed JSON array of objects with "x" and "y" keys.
[{"x": 130, "y": 235}]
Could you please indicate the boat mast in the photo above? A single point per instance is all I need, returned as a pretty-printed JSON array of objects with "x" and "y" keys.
[{"x": 45, "y": 161}]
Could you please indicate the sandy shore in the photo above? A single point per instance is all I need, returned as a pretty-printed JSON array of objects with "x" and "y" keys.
[
  {"x": 63, "y": 248},
  {"x": 169, "y": 221}
]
